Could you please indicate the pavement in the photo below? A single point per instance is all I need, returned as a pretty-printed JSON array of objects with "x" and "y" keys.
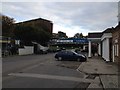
[{"x": 106, "y": 72}]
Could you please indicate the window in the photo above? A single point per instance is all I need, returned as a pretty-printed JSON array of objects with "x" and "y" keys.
[
  {"x": 116, "y": 49},
  {"x": 70, "y": 53}
]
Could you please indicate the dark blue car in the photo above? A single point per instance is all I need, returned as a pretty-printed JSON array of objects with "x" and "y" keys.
[{"x": 70, "y": 55}]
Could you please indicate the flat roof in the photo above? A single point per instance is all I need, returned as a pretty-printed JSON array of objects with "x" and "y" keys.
[
  {"x": 108, "y": 30},
  {"x": 35, "y": 20},
  {"x": 95, "y": 35}
]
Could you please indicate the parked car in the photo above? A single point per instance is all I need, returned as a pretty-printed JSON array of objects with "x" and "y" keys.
[
  {"x": 60, "y": 49},
  {"x": 69, "y": 55}
]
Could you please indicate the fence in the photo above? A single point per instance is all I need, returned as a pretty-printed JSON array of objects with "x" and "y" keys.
[{"x": 26, "y": 50}]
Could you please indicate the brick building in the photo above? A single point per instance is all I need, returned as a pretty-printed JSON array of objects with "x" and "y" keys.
[
  {"x": 39, "y": 23},
  {"x": 116, "y": 44}
]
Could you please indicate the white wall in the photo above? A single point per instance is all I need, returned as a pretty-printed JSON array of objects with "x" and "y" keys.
[
  {"x": 105, "y": 45},
  {"x": 89, "y": 49},
  {"x": 105, "y": 49},
  {"x": 99, "y": 48},
  {"x": 26, "y": 50}
]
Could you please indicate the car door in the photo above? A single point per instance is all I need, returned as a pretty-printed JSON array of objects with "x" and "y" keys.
[
  {"x": 70, "y": 55},
  {"x": 64, "y": 55}
]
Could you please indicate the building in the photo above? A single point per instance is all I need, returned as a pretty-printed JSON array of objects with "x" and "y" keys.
[
  {"x": 5, "y": 42},
  {"x": 116, "y": 44},
  {"x": 101, "y": 44},
  {"x": 70, "y": 42},
  {"x": 107, "y": 43},
  {"x": 94, "y": 39},
  {"x": 116, "y": 40},
  {"x": 39, "y": 23},
  {"x": 106, "y": 40}
]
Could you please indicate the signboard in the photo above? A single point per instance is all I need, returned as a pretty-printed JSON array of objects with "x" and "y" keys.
[{"x": 73, "y": 40}]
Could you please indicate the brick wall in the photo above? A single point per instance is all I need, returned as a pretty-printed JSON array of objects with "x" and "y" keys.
[
  {"x": 116, "y": 36},
  {"x": 119, "y": 45}
]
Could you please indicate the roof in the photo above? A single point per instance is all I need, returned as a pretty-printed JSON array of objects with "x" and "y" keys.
[
  {"x": 95, "y": 35},
  {"x": 99, "y": 34},
  {"x": 108, "y": 30},
  {"x": 116, "y": 28},
  {"x": 35, "y": 20}
]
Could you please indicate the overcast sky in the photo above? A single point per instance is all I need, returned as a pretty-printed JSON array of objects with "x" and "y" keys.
[{"x": 69, "y": 17}]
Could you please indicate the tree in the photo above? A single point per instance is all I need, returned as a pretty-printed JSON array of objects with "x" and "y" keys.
[
  {"x": 62, "y": 35},
  {"x": 7, "y": 25},
  {"x": 81, "y": 35},
  {"x": 78, "y": 35}
]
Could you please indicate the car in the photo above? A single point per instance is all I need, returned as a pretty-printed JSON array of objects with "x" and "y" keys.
[
  {"x": 69, "y": 55},
  {"x": 60, "y": 49}
]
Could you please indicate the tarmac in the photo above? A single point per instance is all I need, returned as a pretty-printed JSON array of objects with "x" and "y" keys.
[{"x": 106, "y": 73}]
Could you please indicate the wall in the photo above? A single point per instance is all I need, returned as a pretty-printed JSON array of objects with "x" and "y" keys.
[
  {"x": 105, "y": 49},
  {"x": 26, "y": 50},
  {"x": 99, "y": 49},
  {"x": 40, "y": 23},
  {"x": 106, "y": 46},
  {"x": 116, "y": 41},
  {"x": 119, "y": 45}
]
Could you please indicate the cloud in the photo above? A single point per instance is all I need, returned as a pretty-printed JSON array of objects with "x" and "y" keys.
[
  {"x": 61, "y": 0},
  {"x": 70, "y": 17}
]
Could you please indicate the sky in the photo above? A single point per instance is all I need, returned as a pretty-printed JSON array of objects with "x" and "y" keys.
[{"x": 69, "y": 17}]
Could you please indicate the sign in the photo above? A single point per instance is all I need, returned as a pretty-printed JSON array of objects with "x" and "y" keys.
[{"x": 73, "y": 40}]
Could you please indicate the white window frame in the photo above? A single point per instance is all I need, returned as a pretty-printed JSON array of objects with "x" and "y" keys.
[{"x": 117, "y": 49}]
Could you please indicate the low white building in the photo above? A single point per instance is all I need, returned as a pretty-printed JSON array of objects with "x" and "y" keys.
[
  {"x": 94, "y": 39},
  {"x": 103, "y": 42},
  {"x": 107, "y": 44}
]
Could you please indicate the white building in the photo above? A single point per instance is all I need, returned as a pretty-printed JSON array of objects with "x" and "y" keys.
[
  {"x": 103, "y": 42},
  {"x": 94, "y": 38},
  {"x": 107, "y": 44}
]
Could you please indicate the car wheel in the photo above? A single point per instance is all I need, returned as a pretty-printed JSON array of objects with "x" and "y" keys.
[
  {"x": 59, "y": 58},
  {"x": 56, "y": 59},
  {"x": 78, "y": 59}
]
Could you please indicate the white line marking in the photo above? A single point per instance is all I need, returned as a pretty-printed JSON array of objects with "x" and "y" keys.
[{"x": 67, "y": 78}]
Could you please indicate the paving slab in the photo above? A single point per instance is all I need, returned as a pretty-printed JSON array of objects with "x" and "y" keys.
[
  {"x": 98, "y": 66},
  {"x": 96, "y": 85},
  {"x": 109, "y": 81},
  {"x": 106, "y": 71}
]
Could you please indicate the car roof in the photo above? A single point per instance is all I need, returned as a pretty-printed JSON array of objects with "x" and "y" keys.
[{"x": 66, "y": 51}]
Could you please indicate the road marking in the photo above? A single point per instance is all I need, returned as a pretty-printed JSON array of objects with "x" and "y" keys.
[{"x": 67, "y": 78}]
